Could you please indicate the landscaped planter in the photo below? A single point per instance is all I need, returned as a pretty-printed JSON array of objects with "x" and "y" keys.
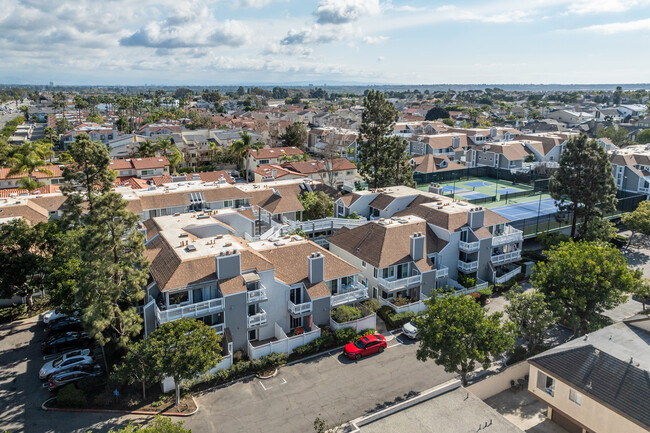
[{"x": 368, "y": 322}]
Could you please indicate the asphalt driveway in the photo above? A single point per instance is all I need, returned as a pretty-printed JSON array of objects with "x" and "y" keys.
[{"x": 330, "y": 386}]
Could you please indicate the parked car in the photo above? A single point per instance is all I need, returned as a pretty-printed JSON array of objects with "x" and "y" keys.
[
  {"x": 366, "y": 345},
  {"x": 53, "y": 315},
  {"x": 68, "y": 340},
  {"x": 65, "y": 362},
  {"x": 74, "y": 375},
  {"x": 410, "y": 329},
  {"x": 64, "y": 325}
]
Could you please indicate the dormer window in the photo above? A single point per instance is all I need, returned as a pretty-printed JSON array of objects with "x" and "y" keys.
[{"x": 455, "y": 142}]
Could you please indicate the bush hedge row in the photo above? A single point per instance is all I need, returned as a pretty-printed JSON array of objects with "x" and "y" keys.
[{"x": 392, "y": 319}]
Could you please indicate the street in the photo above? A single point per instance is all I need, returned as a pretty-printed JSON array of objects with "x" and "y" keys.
[{"x": 330, "y": 387}]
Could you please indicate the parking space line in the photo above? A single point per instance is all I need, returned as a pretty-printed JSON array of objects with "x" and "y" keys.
[
  {"x": 393, "y": 345},
  {"x": 335, "y": 356},
  {"x": 265, "y": 388}
]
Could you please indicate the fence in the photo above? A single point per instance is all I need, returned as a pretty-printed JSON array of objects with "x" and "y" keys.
[
  {"x": 465, "y": 173},
  {"x": 415, "y": 307},
  {"x": 283, "y": 344},
  {"x": 497, "y": 383},
  {"x": 368, "y": 322}
]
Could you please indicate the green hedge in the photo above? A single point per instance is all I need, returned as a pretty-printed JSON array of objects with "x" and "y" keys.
[
  {"x": 392, "y": 319},
  {"x": 328, "y": 340},
  {"x": 70, "y": 396}
]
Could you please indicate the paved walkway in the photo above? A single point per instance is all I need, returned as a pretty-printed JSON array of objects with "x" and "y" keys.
[{"x": 524, "y": 411}]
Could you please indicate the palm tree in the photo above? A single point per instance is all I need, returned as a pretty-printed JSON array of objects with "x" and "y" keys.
[
  {"x": 216, "y": 152},
  {"x": 146, "y": 149},
  {"x": 163, "y": 145},
  {"x": 240, "y": 149},
  {"x": 26, "y": 159},
  {"x": 50, "y": 135},
  {"x": 175, "y": 157}
]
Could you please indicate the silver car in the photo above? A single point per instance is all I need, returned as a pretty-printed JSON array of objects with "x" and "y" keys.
[
  {"x": 66, "y": 362},
  {"x": 410, "y": 330}
]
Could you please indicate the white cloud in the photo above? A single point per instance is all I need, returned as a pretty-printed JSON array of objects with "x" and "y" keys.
[
  {"x": 255, "y": 3},
  {"x": 380, "y": 58},
  {"x": 374, "y": 39},
  {"x": 582, "y": 7},
  {"x": 345, "y": 11},
  {"x": 623, "y": 27},
  {"x": 318, "y": 35}
]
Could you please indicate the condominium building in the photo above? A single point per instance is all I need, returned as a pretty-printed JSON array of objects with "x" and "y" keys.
[{"x": 631, "y": 168}]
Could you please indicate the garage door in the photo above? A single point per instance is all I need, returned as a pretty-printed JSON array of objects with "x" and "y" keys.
[{"x": 565, "y": 422}]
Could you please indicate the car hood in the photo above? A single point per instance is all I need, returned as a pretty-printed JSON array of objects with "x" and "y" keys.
[
  {"x": 408, "y": 327},
  {"x": 351, "y": 348}
]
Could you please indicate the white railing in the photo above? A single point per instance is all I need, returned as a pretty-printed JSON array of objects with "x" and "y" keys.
[
  {"x": 358, "y": 294},
  {"x": 468, "y": 247},
  {"x": 505, "y": 258},
  {"x": 503, "y": 278},
  {"x": 193, "y": 310},
  {"x": 368, "y": 322},
  {"x": 401, "y": 283},
  {"x": 468, "y": 266},
  {"x": 459, "y": 289},
  {"x": 299, "y": 309},
  {"x": 442, "y": 271},
  {"x": 219, "y": 328},
  {"x": 415, "y": 307},
  {"x": 258, "y": 319},
  {"x": 283, "y": 344},
  {"x": 509, "y": 236},
  {"x": 323, "y": 224},
  {"x": 258, "y": 295}
]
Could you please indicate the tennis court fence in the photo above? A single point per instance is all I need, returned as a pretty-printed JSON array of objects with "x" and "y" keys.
[{"x": 466, "y": 173}]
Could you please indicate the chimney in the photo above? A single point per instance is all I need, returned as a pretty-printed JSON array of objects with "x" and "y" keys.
[
  {"x": 274, "y": 173},
  {"x": 228, "y": 265},
  {"x": 417, "y": 246},
  {"x": 316, "y": 268},
  {"x": 476, "y": 218}
]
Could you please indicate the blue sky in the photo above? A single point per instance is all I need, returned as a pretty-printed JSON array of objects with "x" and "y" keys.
[{"x": 202, "y": 42}]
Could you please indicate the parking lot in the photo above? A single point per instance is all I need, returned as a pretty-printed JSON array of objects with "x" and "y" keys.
[{"x": 330, "y": 386}]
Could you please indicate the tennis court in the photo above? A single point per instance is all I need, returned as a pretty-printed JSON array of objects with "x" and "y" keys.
[
  {"x": 529, "y": 209},
  {"x": 473, "y": 195}
]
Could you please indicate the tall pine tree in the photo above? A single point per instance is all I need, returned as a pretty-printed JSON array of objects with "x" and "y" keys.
[
  {"x": 584, "y": 183},
  {"x": 383, "y": 158}
]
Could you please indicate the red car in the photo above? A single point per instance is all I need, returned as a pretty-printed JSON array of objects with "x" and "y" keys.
[{"x": 366, "y": 345}]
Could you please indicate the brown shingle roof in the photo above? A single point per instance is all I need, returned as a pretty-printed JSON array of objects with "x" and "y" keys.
[
  {"x": 232, "y": 285},
  {"x": 291, "y": 262},
  {"x": 274, "y": 152}
]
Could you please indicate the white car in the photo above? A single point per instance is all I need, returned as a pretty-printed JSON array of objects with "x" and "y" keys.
[
  {"x": 52, "y": 315},
  {"x": 66, "y": 361},
  {"x": 410, "y": 330}
]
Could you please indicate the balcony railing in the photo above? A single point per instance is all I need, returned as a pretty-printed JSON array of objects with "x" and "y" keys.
[
  {"x": 505, "y": 258},
  {"x": 219, "y": 328},
  {"x": 401, "y": 283},
  {"x": 258, "y": 295},
  {"x": 503, "y": 278},
  {"x": 442, "y": 272},
  {"x": 358, "y": 294},
  {"x": 193, "y": 310},
  {"x": 509, "y": 236},
  {"x": 468, "y": 247},
  {"x": 300, "y": 309},
  {"x": 257, "y": 319},
  {"x": 468, "y": 266}
]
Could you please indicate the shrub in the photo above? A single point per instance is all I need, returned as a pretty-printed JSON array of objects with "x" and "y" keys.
[
  {"x": 392, "y": 319},
  {"x": 346, "y": 313},
  {"x": 519, "y": 353},
  {"x": 371, "y": 305},
  {"x": 466, "y": 281},
  {"x": 90, "y": 384},
  {"x": 344, "y": 335},
  {"x": 400, "y": 301},
  {"x": 238, "y": 356},
  {"x": 71, "y": 396}
]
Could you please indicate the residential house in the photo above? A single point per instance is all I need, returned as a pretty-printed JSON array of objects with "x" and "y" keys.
[
  {"x": 631, "y": 168},
  {"x": 160, "y": 128},
  {"x": 570, "y": 117},
  {"x": 599, "y": 382},
  {"x": 56, "y": 178},
  {"x": 424, "y": 164},
  {"x": 546, "y": 147},
  {"x": 504, "y": 155},
  {"x": 451, "y": 145},
  {"x": 143, "y": 168},
  {"x": 270, "y": 155},
  {"x": 104, "y": 133},
  {"x": 263, "y": 296}
]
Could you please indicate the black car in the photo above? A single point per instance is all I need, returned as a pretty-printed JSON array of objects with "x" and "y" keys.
[
  {"x": 64, "y": 325},
  {"x": 68, "y": 340}
]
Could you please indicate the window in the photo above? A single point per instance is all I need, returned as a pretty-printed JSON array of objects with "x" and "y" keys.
[
  {"x": 363, "y": 264},
  {"x": 388, "y": 272},
  {"x": 147, "y": 172},
  {"x": 575, "y": 397},
  {"x": 179, "y": 298},
  {"x": 545, "y": 383},
  {"x": 374, "y": 272},
  {"x": 227, "y": 203},
  {"x": 263, "y": 161}
]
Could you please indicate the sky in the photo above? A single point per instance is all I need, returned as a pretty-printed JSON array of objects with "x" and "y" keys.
[{"x": 201, "y": 42}]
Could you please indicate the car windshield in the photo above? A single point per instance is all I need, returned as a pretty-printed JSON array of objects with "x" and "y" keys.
[
  {"x": 57, "y": 362},
  {"x": 360, "y": 344}
]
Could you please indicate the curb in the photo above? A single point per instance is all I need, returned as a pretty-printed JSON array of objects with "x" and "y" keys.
[
  {"x": 116, "y": 411},
  {"x": 275, "y": 373}
]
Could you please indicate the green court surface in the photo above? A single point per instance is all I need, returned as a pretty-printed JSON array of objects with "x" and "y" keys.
[{"x": 484, "y": 187}]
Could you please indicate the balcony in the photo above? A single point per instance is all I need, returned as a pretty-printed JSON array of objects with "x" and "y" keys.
[
  {"x": 193, "y": 310},
  {"x": 442, "y": 272},
  {"x": 300, "y": 309},
  {"x": 358, "y": 293},
  {"x": 257, "y": 319},
  {"x": 402, "y": 283},
  {"x": 468, "y": 247},
  {"x": 219, "y": 328},
  {"x": 468, "y": 266},
  {"x": 503, "y": 278},
  {"x": 509, "y": 236},
  {"x": 258, "y": 295},
  {"x": 500, "y": 259}
]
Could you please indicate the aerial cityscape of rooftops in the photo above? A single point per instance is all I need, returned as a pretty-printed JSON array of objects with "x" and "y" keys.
[{"x": 307, "y": 216}]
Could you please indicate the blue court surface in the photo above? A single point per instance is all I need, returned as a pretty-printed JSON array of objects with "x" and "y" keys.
[
  {"x": 529, "y": 209},
  {"x": 451, "y": 188},
  {"x": 508, "y": 190},
  {"x": 477, "y": 183},
  {"x": 474, "y": 195}
]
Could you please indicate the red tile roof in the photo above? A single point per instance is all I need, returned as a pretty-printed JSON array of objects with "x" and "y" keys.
[{"x": 275, "y": 152}]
